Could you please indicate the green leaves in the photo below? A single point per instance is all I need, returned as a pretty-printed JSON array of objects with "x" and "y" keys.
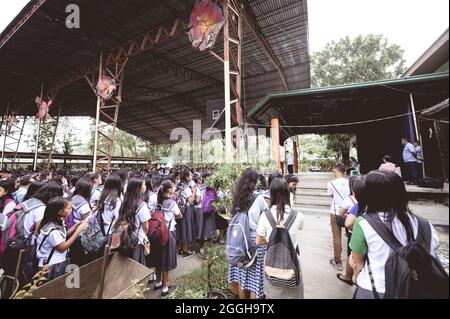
[{"x": 364, "y": 58}]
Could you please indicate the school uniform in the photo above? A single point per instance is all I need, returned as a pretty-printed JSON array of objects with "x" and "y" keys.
[
  {"x": 142, "y": 215},
  {"x": 187, "y": 226},
  {"x": 20, "y": 194},
  {"x": 51, "y": 236},
  {"x": 165, "y": 257},
  {"x": 252, "y": 278},
  {"x": 205, "y": 223},
  {"x": 95, "y": 196},
  {"x": 152, "y": 201},
  {"x": 80, "y": 207}
]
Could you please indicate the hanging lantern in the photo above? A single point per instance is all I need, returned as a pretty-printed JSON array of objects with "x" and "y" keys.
[
  {"x": 106, "y": 87},
  {"x": 207, "y": 20},
  {"x": 43, "y": 108}
]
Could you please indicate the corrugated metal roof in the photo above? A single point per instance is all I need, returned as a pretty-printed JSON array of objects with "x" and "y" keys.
[{"x": 43, "y": 49}]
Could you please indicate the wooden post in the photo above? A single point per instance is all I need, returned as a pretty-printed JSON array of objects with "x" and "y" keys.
[
  {"x": 296, "y": 155},
  {"x": 276, "y": 143},
  {"x": 97, "y": 117},
  {"x": 103, "y": 273},
  {"x": 227, "y": 84}
]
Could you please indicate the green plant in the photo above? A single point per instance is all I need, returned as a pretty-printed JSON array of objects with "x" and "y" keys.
[
  {"x": 195, "y": 285},
  {"x": 27, "y": 291},
  {"x": 139, "y": 290}
]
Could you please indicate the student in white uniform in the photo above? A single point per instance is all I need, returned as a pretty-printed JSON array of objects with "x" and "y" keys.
[
  {"x": 165, "y": 258},
  {"x": 153, "y": 185},
  {"x": 135, "y": 211},
  {"x": 97, "y": 188},
  {"x": 25, "y": 183},
  {"x": 53, "y": 242},
  {"x": 187, "y": 227},
  {"x": 81, "y": 210},
  {"x": 110, "y": 202}
]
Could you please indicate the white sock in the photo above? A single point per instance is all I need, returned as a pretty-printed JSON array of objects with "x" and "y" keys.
[
  {"x": 165, "y": 289},
  {"x": 159, "y": 284}
]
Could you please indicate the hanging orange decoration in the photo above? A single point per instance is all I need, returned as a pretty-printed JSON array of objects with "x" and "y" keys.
[
  {"x": 106, "y": 87},
  {"x": 207, "y": 20}
]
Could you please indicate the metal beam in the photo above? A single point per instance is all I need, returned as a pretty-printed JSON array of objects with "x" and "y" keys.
[
  {"x": 157, "y": 36},
  {"x": 249, "y": 18},
  {"x": 26, "y": 16}
]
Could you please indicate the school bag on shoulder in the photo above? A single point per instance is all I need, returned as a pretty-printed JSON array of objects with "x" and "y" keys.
[
  {"x": 208, "y": 199},
  {"x": 178, "y": 197},
  {"x": 158, "y": 230},
  {"x": 94, "y": 238},
  {"x": 240, "y": 250},
  {"x": 125, "y": 236},
  {"x": 13, "y": 237},
  {"x": 410, "y": 271},
  {"x": 281, "y": 265}
]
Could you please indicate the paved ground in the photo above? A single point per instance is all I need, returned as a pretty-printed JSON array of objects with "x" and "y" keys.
[{"x": 437, "y": 214}]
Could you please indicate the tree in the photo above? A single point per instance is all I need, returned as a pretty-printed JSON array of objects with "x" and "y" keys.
[
  {"x": 68, "y": 141},
  {"x": 46, "y": 138},
  {"x": 364, "y": 58}
]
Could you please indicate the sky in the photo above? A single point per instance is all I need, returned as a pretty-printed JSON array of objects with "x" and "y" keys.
[{"x": 413, "y": 24}]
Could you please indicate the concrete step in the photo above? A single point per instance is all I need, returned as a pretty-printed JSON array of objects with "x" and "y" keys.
[
  {"x": 313, "y": 203},
  {"x": 312, "y": 192},
  {"x": 311, "y": 210}
]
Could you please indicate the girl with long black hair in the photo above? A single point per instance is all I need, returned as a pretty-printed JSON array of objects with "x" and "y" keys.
[
  {"x": 7, "y": 202},
  {"x": 53, "y": 242},
  {"x": 135, "y": 212},
  {"x": 387, "y": 200},
  {"x": 110, "y": 202},
  {"x": 205, "y": 223},
  {"x": 248, "y": 282},
  {"x": 164, "y": 258},
  {"x": 281, "y": 210}
]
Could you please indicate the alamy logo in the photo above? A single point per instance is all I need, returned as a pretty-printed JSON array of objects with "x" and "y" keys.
[{"x": 73, "y": 19}]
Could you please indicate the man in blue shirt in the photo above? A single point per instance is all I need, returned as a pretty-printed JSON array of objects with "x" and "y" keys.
[{"x": 410, "y": 160}]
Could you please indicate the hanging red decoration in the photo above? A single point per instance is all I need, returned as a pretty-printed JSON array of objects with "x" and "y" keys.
[
  {"x": 43, "y": 108},
  {"x": 106, "y": 87},
  {"x": 207, "y": 20},
  {"x": 10, "y": 121}
]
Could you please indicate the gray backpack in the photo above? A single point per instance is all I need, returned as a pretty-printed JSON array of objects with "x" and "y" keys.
[
  {"x": 281, "y": 265},
  {"x": 240, "y": 250}
]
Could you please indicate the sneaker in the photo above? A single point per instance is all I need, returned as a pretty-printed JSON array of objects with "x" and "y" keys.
[
  {"x": 336, "y": 265},
  {"x": 202, "y": 251},
  {"x": 222, "y": 242}
]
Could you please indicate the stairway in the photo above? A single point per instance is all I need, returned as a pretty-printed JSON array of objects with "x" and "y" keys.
[{"x": 311, "y": 196}]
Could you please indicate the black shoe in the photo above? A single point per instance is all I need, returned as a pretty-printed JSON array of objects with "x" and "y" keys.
[
  {"x": 187, "y": 254},
  {"x": 168, "y": 292},
  {"x": 156, "y": 288}
]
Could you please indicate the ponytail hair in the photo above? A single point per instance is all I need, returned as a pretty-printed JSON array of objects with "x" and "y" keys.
[{"x": 165, "y": 186}]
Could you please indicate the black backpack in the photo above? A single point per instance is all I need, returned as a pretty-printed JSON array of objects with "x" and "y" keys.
[
  {"x": 410, "y": 271},
  {"x": 281, "y": 266}
]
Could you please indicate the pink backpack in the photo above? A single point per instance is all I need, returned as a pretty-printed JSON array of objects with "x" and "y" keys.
[{"x": 13, "y": 237}]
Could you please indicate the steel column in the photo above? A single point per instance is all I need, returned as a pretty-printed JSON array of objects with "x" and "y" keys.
[{"x": 417, "y": 131}]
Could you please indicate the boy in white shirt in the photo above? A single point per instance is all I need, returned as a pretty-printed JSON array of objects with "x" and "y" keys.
[{"x": 338, "y": 189}]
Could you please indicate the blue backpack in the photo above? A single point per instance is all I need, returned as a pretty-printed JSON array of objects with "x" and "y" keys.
[{"x": 240, "y": 250}]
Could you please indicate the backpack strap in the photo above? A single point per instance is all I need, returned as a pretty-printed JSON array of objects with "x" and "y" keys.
[
  {"x": 270, "y": 218},
  {"x": 290, "y": 220},
  {"x": 42, "y": 243},
  {"x": 424, "y": 232},
  {"x": 381, "y": 229}
]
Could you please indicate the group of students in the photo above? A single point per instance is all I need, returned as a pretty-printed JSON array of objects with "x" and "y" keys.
[
  {"x": 373, "y": 211},
  {"x": 58, "y": 212},
  {"x": 268, "y": 204}
]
